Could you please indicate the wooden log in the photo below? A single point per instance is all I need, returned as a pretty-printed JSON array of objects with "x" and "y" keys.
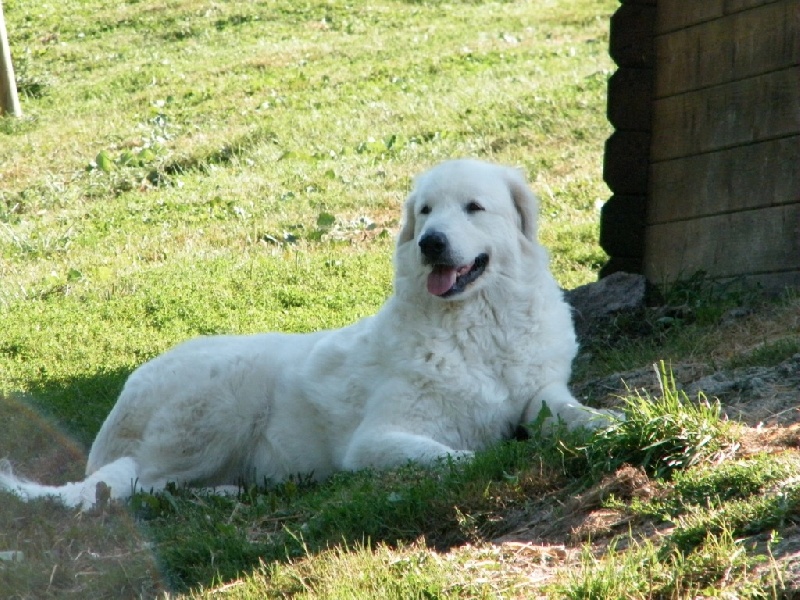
[
  {"x": 625, "y": 162},
  {"x": 763, "y": 241},
  {"x": 622, "y": 226},
  {"x": 734, "y": 47},
  {"x": 741, "y": 112},
  {"x": 744, "y": 177},
  {"x": 630, "y": 93},
  {"x": 677, "y": 14},
  {"x": 631, "y": 35}
]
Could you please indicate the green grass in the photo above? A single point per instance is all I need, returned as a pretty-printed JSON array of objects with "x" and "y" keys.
[
  {"x": 361, "y": 571},
  {"x": 186, "y": 168},
  {"x": 723, "y": 568},
  {"x": 769, "y": 354},
  {"x": 449, "y": 506}
]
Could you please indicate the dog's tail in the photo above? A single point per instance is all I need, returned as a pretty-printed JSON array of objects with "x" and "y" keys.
[{"x": 116, "y": 480}]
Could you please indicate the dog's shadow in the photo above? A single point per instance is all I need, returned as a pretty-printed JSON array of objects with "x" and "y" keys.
[{"x": 48, "y": 429}]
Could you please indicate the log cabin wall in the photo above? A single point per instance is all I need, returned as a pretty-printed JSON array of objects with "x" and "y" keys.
[{"x": 704, "y": 163}]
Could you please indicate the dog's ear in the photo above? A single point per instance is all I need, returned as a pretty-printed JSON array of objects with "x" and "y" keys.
[
  {"x": 525, "y": 201},
  {"x": 407, "y": 231}
]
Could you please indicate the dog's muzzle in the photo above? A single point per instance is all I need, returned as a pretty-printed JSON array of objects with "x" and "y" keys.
[{"x": 448, "y": 278}]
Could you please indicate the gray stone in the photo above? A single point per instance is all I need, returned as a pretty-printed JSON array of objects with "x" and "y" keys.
[
  {"x": 595, "y": 304},
  {"x": 716, "y": 385}
]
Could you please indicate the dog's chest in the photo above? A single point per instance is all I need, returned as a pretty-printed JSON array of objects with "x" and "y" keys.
[
  {"x": 471, "y": 405},
  {"x": 472, "y": 356},
  {"x": 479, "y": 370}
]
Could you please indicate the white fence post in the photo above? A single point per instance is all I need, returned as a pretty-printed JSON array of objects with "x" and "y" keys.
[{"x": 9, "y": 100}]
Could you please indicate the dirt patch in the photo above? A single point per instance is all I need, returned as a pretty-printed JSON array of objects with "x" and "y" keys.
[
  {"x": 766, "y": 399},
  {"x": 582, "y": 517},
  {"x": 556, "y": 533},
  {"x": 756, "y": 396}
]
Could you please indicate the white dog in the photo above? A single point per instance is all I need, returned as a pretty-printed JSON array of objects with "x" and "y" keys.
[{"x": 475, "y": 339}]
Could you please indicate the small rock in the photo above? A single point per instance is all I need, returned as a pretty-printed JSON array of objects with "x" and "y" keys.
[
  {"x": 713, "y": 386},
  {"x": 12, "y": 555},
  {"x": 735, "y": 314}
]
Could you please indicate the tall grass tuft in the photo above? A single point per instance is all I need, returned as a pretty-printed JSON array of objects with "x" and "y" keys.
[{"x": 664, "y": 433}]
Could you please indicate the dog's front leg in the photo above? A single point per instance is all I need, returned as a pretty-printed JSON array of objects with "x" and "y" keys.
[
  {"x": 386, "y": 448},
  {"x": 563, "y": 406}
]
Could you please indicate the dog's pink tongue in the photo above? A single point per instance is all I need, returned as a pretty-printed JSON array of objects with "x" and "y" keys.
[{"x": 441, "y": 279}]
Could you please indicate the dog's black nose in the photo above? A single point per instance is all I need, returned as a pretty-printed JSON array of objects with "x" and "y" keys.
[{"x": 433, "y": 245}]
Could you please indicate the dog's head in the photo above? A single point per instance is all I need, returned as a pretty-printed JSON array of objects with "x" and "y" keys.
[{"x": 466, "y": 220}]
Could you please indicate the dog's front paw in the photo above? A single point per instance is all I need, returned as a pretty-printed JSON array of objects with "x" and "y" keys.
[
  {"x": 602, "y": 418},
  {"x": 592, "y": 419},
  {"x": 459, "y": 455}
]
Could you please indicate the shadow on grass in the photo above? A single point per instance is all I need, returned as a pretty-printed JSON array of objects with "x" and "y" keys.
[
  {"x": 204, "y": 160},
  {"x": 182, "y": 539},
  {"x": 51, "y": 551}
]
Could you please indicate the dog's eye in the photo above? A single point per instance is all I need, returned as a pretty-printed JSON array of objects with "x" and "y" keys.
[
  {"x": 425, "y": 210},
  {"x": 474, "y": 207}
]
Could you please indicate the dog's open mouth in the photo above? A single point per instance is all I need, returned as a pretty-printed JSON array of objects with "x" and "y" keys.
[{"x": 447, "y": 280}]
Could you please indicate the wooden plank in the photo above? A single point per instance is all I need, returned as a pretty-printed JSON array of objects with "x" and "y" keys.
[
  {"x": 625, "y": 162},
  {"x": 763, "y": 241},
  {"x": 677, "y": 14},
  {"x": 631, "y": 35},
  {"x": 629, "y": 104},
  {"x": 745, "y": 177},
  {"x": 741, "y": 112},
  {"x": 741, "y": 45},
  {"x": 732, "y": 6}
]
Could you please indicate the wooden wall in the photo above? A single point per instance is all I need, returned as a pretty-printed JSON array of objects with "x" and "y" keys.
[{"x": 722, "y": 190}]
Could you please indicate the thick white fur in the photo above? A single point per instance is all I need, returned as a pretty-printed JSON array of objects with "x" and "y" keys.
[{"x": 424, "y": 378}]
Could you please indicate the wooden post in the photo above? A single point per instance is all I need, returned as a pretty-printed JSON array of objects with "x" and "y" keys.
[{"x": 9, "y": 100}]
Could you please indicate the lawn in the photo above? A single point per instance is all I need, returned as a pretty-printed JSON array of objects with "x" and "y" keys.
[{"x": 187, "y": 167}]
